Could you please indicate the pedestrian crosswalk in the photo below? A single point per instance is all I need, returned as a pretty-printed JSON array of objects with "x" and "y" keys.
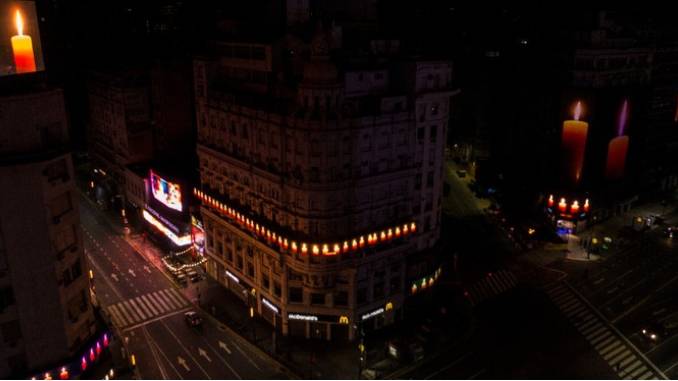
[
  {"x": 146, "y": 307},
  {"x": 491, "y": 285},
  {"x": 615, "y": 351}
]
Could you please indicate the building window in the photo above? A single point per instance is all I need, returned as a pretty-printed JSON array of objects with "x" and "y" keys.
[
  {"x": 6, "y": 298},
  {"x": 57, "y": 171},
  {"x": 417, "y": 181},
  {"x": 341, "y": 299},
  {"x": 317, "y": 299},
  {"x": 276, "y": 289},
  {"x": 250, "y": 269},
  {"x": 434, "y": 109},
  {"x": 11, "y": 332},
  {"x": 60, "y": 205},
  {"x": 421, "y": 134},
  {"x": 378, "y": 290},
  {"x": 394, "y": 285},
  {"x": 362, "y": 295},
  {"x": 429, "y": 179},
  {"x": 265, "y": 281},
  {"x": 433, "y": 133},
  {"x": 238, "y": 263},
  {"x": 296, "y": 295}
]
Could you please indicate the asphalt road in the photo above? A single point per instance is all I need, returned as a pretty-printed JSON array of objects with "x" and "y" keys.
[
  {"x": 147, "y": 308},
  {"x": 637, "y": 288},
  {"x": 519, "y": 335}
]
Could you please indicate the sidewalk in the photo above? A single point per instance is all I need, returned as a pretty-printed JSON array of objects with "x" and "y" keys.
[{"x": 611, "y": 228}]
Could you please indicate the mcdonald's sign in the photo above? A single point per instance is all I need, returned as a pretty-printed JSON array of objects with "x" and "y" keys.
[{"x": 343, "y": 319}]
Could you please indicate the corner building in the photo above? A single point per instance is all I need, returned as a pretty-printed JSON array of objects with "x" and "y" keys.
[
  {"x": 321, "y": 187},
  {"x": 46, "y": 317}
]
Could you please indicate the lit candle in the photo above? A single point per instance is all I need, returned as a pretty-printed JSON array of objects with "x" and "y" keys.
[
  {"x": 574, "y": 144},
  {"x": 618, "y": 147},
  {"x": 562, "y": 205},
  {"x": 22, "y": 47},
  {"x": 616, "y": 157},
  {"x": 574, "y": 208},
  {"x": 550, "y": 201}
]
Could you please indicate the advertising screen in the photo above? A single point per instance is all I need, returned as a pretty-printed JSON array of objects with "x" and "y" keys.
[
  {"x": 168, "y": 193},
  {"x": 20, "y": 47},
  {"x": 198, "y": 234}
]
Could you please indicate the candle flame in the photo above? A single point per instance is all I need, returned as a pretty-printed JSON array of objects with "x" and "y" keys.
[
  {"x": 577, "y": 111},
  {"x": 19, "y": 21}
]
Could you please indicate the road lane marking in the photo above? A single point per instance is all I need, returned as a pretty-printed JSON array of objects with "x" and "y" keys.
[
  {"x": 645, "y": 376},
  {"x": 605, "y": 342},
  {"x": 590, "y": 329},
  {"x": 157, "y": 302},
  {"x": 637, "y": 372},
  {"x": 619, "y": 356},
  {"x": 160, "y": 301},
  {"x": 164, "y": 299},
  {"x": 154, "y": 352},
  {"x": 204, "y": 354},
  {"x": 182, "y": 362},
  {"x": 118, "y": 320},
  {"x": 170, "y": 299},
  {"x": 144, "y": 307},
  {"x": 223, "y": 346},
  {"x": 155, "y": 319},
  {"x": 185, "y": 349},
  {"x": 146, "y": 299},
  {"x": 137, "y": 309},
  {"x": 180, "y": 300},
  {"x": 612, "y": 355},
  {"x": 476, "y": 374}
]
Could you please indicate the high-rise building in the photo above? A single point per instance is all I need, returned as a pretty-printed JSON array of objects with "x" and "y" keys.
[
  {"x": 119, "y": 131},
  {"x": 321, "y": 177},
  {"x": 45, "y": 312}
]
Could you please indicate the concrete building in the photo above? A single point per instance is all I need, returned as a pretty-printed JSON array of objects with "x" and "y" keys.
[
  {"x": 119, "y": 131},
  {"x": 320, "y": 186},
  {"x": 45, "y": 312}
]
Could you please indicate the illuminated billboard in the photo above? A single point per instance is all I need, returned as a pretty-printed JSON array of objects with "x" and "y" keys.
[
  {"x": 20, "y": 47},
  {"x": 168, "y": 193}
]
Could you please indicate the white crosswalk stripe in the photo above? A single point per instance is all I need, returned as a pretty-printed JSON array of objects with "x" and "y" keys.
[
  {"x": 611, "y": 348},
  {"x": 491, "y": 285},
  {"x": 143, "y": 307},
  {"x": 150, "y": 305},
  {"x": 146, "y": 307}
]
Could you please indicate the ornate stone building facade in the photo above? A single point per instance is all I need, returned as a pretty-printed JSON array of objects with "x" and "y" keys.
[{"x": 320, "y": 186}]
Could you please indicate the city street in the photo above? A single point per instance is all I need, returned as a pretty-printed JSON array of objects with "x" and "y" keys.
[
  {"x": 633, "y": 287},
  {"x": 148, "y": 311},
  {"x": 518, "y": 335}
]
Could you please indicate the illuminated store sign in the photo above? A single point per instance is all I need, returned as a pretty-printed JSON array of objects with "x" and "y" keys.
[
  {"x": 198, "y": 235},
  {"x": 20, "y": 47},
  {"x": 568, "y": 209},
  {"x": 81, "y": 363},
  {"x": 233, "y": 277},
  {"x": 269, "y": 305},
  {"x": 373, "y": 314},
  {"x": 302, "y": 317},
  {"x": 326, "y": 249},
  {"x": 179, "y": 241},
  {"x": 425, "y": 282},
  {"x": 168, "y": 193}
]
